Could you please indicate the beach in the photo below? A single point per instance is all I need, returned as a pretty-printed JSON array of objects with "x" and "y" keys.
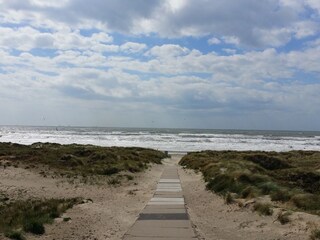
[
  {"x": 214, "y": 219},
  {"x": 108, "y": 211}
]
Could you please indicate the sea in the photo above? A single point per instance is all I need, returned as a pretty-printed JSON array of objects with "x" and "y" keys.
[{"x": 166, "y": 139}]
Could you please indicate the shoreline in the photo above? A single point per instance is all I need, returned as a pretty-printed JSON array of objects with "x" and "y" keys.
[{"x": 172, "y": 140}]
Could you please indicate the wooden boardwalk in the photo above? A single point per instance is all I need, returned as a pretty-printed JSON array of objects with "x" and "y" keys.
[{"x": 165, "y": 216}]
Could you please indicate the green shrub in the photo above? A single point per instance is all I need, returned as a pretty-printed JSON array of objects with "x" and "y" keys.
[
  {"x": 249, "y": 192},
  {"x": 315, "y": 234},
  {"x": 129, "y": 177},
  {"x": 113, "y": 181},
  {"x": 224, "y": 183},
  {"x": 307, "y": 201},
  {"x": 268, "y": 187},
  {"x": 32, "y": 214},
  {"x": 267, "y": 162},
  {"x": 111, "y": 170},
  {"x": 263, "y": 208},
  {"x": 282, "y": 175},
  {"x": 66, "y": 219},
  {"x": 16, "y": 235},
  {"x": 34, "y": 226},
  {"x": 305, "y": 179},
  {"x": 74, "y": 159},
  {"x": 281, "y": 195},
  {"x": 283, "y": 218}
]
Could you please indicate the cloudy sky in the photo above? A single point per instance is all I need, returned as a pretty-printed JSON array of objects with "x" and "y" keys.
[{"x": 244, "y": 64}]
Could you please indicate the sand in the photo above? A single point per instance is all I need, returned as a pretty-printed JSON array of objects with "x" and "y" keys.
[
  {"x": 213, "y": 219},
  {"x": 113, "y": 210},
  {"x": 110, "y": 214}
]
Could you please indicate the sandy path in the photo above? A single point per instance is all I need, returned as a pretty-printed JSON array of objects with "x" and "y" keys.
[
  {"x": 109, "y": 216},
  {"x": 213, "y": 219}
]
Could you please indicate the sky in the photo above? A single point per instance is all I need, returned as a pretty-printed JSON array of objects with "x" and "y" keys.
[{"x": 232, "y": 64}]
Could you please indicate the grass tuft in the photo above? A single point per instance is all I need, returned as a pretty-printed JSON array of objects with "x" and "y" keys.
[
  {"x": 66, "y": 219},
  {"x": 307, "y": 201},
  {"x": 34, "y": 226},
  {"x": 263, "y": 209},
  {"x": 315, "y": 234},
  {"x": 291, "y": 177},
  {"x": 281, "y": 195},
  {"x": 283, "y": 217},
  {"x": 229, "y": 199},
  {"x": 83, "y": 160},
  {"x": 31, "y": 215},
  {"x": 14, "y": 234}
]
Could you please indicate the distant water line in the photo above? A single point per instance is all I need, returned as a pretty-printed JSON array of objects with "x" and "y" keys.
[{"x": 172, "y": 140}]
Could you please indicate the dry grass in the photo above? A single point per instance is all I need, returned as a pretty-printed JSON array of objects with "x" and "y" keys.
[
  {"x": 30, "y": 216},
  {"x": 80, "y": 160},
  {"x": 288, "y": 177}
]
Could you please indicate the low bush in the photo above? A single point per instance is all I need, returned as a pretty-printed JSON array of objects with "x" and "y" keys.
[
  {"x": 16, "y": 235},
  {"x": 288, "y": 177},
  {"x": 281, "y": 195},
  {"x": 249, "y": 192},
  {"x": 283, "y": 217},
  {"x": 267, "y": 162},
  {"x": 307, "y": 201},
  {"x": 75, "y": 159},
  {"x": 263, "y": 208},
  {"x": 268, "y": 187},
  {"x": 34, "y": 226},
  {"x": 315, "y": 234},
  {"x": 31, "y": 215}
]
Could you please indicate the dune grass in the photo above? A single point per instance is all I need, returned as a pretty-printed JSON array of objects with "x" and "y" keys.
[
  {"x": 263, "y": 208},
  {"x": 85, "y": 161},
  {"x": 315, "y": 234},
  {"x": 283, "y": 217},
  {"x": 81, "y": 159},
  {"x": 18, "y": 217},
  {"x": 288, "y": 177}
]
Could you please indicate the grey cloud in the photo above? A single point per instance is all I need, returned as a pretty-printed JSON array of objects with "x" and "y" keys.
[
  {"x": 255, "y": 23},
  {"x": 119, "y": 15},
  {"x": 230, "y": 18}
]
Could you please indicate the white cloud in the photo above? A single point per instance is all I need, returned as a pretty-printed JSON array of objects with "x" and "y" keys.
[
  {"x": 175, "y": 6},
  {"x": 132, "y": 47},
  {"x": 22, "y": 38},
  {"x": 315, "y": 4},
  {"x": 246, "y": 21},
  {"x": 27, "y": 38},
  {"x": 229, "y": 50},
  {"x": 231, "y": 40},
  {"x": 305, "y": 29},
  {"x": 272, "y": 37},
  {"x": 213, "y": 41},
  {"x": 168, "y": 50},
  {"x": 54, "y": 4},
  {"x": 94, "y": 68}
]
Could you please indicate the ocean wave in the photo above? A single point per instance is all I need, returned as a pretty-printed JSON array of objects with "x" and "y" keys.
[{"x": 169, "y": 140}]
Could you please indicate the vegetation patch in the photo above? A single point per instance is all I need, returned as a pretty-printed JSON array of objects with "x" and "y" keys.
[
  {"x": 17, "y": 235},
  {"x": 291, "y": 178},
  {"x": 30, "y": 216},
  {"x": 283, "y": 217},
  {"x": 263, "y": 209},
  {"x": 81, "y": 160},
  {"x": 315, "y": 234}
]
